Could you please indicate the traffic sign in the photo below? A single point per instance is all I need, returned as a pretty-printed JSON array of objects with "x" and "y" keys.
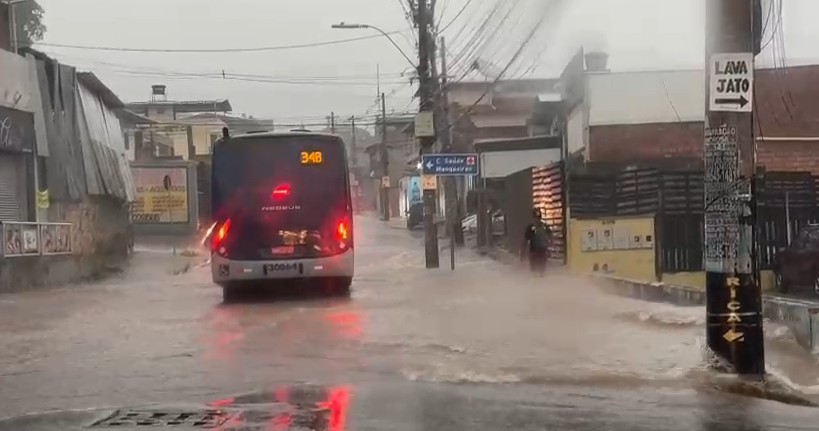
[
  {"x": 450, "y": 164},
  {"x": 732, "y": 82}
]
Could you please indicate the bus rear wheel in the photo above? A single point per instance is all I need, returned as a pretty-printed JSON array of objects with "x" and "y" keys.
[{"x": 339, "y": 286}]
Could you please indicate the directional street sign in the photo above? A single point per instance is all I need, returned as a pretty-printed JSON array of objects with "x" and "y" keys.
[
  {"x": 732, "y": 82},
  {"x": 450, "y": 164}
]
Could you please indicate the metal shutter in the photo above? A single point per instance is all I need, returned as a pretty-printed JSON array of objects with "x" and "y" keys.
[{"x": 9, "y": 187}]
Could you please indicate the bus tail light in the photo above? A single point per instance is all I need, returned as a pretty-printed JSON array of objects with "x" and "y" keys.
[
  {"x": 220, "y": 236},
  {"x": 343, "y": 233}
]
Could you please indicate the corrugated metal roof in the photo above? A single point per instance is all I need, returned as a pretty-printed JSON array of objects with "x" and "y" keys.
[{"x": 97, "y": 87}]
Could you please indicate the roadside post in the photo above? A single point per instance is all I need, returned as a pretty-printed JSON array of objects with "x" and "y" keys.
[
  {"x": 167, "y": 184},
  {"x": 449, "y": 165}
]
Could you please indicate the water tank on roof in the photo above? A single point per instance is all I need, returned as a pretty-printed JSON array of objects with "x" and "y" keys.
[{"x": 158, "y": 92}]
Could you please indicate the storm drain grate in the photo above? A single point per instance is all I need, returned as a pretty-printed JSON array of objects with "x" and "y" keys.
[{"x": 159, "y": 418}]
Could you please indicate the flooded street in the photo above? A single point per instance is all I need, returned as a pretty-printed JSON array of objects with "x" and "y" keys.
[{"x": 476, "y": 348}]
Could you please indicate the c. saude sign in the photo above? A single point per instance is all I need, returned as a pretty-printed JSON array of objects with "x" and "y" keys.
[{"x": 732, "y": 82}]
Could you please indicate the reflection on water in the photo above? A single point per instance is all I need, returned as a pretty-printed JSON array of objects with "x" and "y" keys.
[
  {"x": 226, "y": 334},
  {"x": 300, "y": 407}
]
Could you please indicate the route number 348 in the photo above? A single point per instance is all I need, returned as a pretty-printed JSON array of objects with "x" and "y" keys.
[{"x": 312, "y": 158}]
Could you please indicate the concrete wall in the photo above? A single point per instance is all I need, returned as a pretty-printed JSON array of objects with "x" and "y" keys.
[
  {"x": 587, "y": 256},
  {"x": 646, "y": 97},
  {"x": 24, "y": 273},
  {"x": 185, "y": 228}
]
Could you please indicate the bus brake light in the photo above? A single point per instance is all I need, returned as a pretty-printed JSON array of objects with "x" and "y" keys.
[
  {"x": 343, "y": 231},
  {"x": 221, "y": 234},
  {"x": 281, "y": 192}
]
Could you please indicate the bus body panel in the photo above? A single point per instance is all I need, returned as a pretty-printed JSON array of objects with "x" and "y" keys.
[
  {"x": 226, "y": 270},
  {"x": 301, "y": 219}
]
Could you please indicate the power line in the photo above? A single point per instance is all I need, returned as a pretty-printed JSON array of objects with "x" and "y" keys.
[{"x": 222, "y": 50}]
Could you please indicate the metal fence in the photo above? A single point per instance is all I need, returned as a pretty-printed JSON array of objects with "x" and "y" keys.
[{"x": 21, "y": 239}]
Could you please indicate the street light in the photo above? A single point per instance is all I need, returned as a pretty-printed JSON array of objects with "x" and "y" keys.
[
  {"x": 384, "y": 190},
  {"x": 13, "y": 22},
  {"x": 345, "y": 26}
]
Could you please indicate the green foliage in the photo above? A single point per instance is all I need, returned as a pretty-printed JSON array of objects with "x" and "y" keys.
[{"x": 30, "y": 26}]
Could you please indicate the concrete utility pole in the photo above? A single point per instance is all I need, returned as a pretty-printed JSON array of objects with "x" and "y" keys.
[
  {"x": 426, "y": 92},
  {"x": 734, "y": 301},
  {"x": 385, "y": 162}
]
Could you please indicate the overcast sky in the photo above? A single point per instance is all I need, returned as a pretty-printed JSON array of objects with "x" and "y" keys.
[{"x": 639, "y": 34}]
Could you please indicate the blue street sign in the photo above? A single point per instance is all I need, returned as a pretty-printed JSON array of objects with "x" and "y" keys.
[{"x": 450, "y": 164}]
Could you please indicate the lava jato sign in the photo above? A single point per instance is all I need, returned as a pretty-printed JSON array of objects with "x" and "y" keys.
[{"x": 732, "y": 82}]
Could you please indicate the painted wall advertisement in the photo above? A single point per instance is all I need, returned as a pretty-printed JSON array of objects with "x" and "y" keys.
[{"x": 161, "y": 195}]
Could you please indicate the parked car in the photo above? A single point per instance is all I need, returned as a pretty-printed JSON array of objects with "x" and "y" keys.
[
  {"x": 470, "y": 223},
  {"x": 797, "y": 266}
]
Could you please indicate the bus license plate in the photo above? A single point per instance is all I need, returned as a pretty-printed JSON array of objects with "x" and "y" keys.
[{"x": 282, "y": 268}]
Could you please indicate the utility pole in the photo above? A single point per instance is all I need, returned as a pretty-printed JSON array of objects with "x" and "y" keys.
[
  {"x": 354, "y": 157},
  {"x": 333, "y": 122},
  {"x": 734, "y": 301},
  {"x": 354, "y": 151},
  {"x": 13, "y": 18},
  {"x": 385, "y": 162},
  {"x": 426, "y": 93}
]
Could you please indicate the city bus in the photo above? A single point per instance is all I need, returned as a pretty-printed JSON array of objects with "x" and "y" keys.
[{"x": 282, "y": 211}]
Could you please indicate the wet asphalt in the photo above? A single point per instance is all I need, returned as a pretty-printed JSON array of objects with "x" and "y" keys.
[{"x": 482, "y": 348}]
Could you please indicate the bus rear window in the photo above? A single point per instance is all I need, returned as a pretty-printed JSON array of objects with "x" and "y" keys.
[{"x": 285, "y": 178}]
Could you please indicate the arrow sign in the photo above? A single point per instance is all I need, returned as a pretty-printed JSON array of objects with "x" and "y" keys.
[
  {"x": 741, "y": 101},
  {"x": 732, "y": 336},
  {"x": 731, "y": 77},
  {"x": 450, "y": 164}
]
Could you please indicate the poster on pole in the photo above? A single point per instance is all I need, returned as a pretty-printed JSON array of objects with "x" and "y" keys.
[{"x": 721, "y": 204}]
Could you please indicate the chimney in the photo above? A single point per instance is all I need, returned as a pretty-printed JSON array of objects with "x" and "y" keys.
[
  {"x": 597, "y": 61},
  {"x": 158, "y": 93}
]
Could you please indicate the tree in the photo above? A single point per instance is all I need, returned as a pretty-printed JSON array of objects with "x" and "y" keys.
[{"x": 30, "y": 26}]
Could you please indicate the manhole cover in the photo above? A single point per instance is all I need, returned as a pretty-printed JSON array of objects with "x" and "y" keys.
[{"x": 160, "y": 418}]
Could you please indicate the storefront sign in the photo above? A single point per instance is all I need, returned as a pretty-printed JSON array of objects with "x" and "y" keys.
[
  {"x": 161, "y": 195},
  {"x": 16, "y": 130}
]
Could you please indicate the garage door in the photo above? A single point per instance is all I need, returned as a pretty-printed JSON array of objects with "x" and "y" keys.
[{"x": 10, "y": 202}]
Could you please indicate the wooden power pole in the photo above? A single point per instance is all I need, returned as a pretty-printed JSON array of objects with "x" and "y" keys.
[
  {"x": 734, "y": 301},
  {"x": 426, "y": 92}
]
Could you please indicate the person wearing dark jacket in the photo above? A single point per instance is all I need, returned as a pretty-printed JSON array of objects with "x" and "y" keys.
[{"x": 536, "y": 241}]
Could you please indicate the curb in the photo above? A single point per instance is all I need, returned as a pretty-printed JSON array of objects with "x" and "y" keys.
[
  {"x": 653, "y": 292},
  {"x": 801, "y": 317}
]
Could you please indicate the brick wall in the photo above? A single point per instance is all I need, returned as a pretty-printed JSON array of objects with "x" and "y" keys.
[
  {"x": 625, "y": 143},
  {"x": 787, "y": 106},
  {"x": 788, "y": 156},
  {"x": 655, "y": 142}
]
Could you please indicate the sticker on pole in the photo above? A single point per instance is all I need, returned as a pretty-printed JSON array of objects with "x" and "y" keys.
[
  {"x": 732, "y": 82},
  {"x": 429, "y": 182}
]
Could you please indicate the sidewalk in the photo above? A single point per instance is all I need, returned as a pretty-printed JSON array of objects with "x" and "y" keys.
[{"x": 800, "y": 315}]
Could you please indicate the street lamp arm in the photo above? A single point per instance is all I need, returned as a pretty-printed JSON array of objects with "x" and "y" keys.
[{"x": 383, "y": 33}]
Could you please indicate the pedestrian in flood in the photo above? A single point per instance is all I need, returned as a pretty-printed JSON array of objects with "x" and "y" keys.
[{"x": 536, "y": 242}]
